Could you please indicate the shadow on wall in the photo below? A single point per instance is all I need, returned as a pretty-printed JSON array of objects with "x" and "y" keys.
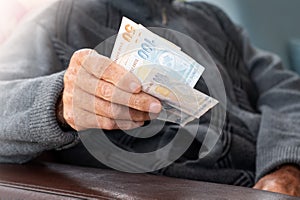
[{"x": 272, "y": 25}]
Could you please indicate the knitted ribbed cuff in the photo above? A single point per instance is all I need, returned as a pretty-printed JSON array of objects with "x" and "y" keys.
[
  {"x": 44, "y": 127},
  {"x": 270, "y": 159}
]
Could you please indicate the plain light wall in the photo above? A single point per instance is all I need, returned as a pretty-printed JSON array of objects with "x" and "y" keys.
[{"x": 271, "y": 24}]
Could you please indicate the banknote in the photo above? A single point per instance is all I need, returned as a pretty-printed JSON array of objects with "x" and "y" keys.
[
  {"x": 164, "y": 71},
  {"x": 174, "y": 115},
  {"x": 147, "y": 49},
  {"x": 156, "y": 80},
  {"x": 126, "y": 36},
  {"x": 164, "y": 41}
]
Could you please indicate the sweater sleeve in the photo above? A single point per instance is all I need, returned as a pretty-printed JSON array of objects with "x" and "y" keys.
[
  {"x": 31, "y": 80},
  {"x": 278, "y": 140}
]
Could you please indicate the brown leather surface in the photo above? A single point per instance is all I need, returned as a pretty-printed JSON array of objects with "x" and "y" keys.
[
  {"x": 11, "y": 193},
  {"x": 71, "y": 182}
]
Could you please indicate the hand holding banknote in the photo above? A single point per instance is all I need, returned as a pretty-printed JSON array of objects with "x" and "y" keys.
[
  {"x": 146, "y": 74},
  {"x": 99, "y": 93}
]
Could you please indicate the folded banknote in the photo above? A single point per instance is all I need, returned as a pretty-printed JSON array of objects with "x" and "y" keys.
[{"x": 164, "y": 71}]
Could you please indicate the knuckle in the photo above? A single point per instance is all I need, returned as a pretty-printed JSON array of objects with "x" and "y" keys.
[
  {"x": 78, "y": 58},
  {"x": 71, "y": 72},
  {"x": 96, "y": 64},
  {"x": 106, "y": 123},
  {"x": 139, "y": 102},
  {"x": 106, "y": 62},
  {"x": 106, "y": 90},
  {"x": 82, "y": 53}
]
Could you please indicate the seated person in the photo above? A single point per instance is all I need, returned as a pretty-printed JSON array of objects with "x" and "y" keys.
[{"x": 260, "y": 142}]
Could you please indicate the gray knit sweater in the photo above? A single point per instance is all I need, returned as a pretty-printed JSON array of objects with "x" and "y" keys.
[{"x": 31, "y": 80}]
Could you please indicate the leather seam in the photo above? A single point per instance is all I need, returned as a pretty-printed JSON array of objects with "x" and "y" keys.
[{"x": 49, "y": 190}]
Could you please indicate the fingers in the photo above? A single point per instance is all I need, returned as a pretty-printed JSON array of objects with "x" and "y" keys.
[
  {"x": 107, "y": 109},
  {"x": 121, "y": 78},
  {"x": 98, "y": 93},
  {"x": 107, "y": 91},
  {"x": 85, "y": 119},
  {"x": 103, "y": 68},
  {"x": 140, "y": 101}
]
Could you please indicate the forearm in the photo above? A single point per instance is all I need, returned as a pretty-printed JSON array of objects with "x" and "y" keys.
[
  {"x": 278, "y": 140},
  {"x": 28, "y": 118},
  {"x": 31, "y": 80}
]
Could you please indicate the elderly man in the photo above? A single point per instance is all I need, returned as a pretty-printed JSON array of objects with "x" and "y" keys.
[{"x": 260, "y": 143}]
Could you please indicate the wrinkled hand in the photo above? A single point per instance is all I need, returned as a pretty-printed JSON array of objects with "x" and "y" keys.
[
  {"x": 285, "y": 180},
  {"x": 99, "y": 93}
]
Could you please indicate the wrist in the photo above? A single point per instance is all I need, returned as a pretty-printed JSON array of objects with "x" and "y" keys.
[{"x": 60, "y": 114}]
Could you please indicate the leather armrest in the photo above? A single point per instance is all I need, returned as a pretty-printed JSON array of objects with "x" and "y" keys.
[{"x": 57, "y": 181}]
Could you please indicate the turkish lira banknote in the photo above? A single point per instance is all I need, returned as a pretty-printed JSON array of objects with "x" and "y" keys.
[{"x": 164, "y": 71}]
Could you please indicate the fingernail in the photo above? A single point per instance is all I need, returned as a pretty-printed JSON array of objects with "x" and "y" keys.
[
  {"x": 155, "y": 107},
  {"x": 134, "y": 86},
  {"x": 153, "y": 115}
]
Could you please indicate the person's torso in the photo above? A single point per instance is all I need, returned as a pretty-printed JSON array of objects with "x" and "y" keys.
[{"x": 89, "y": 23}]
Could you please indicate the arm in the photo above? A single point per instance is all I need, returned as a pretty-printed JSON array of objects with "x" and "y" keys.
[
  {"x": 278, "y": 142},
  {"x": 278, "y": 137},
  {"x": 31, "y": 80}
]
